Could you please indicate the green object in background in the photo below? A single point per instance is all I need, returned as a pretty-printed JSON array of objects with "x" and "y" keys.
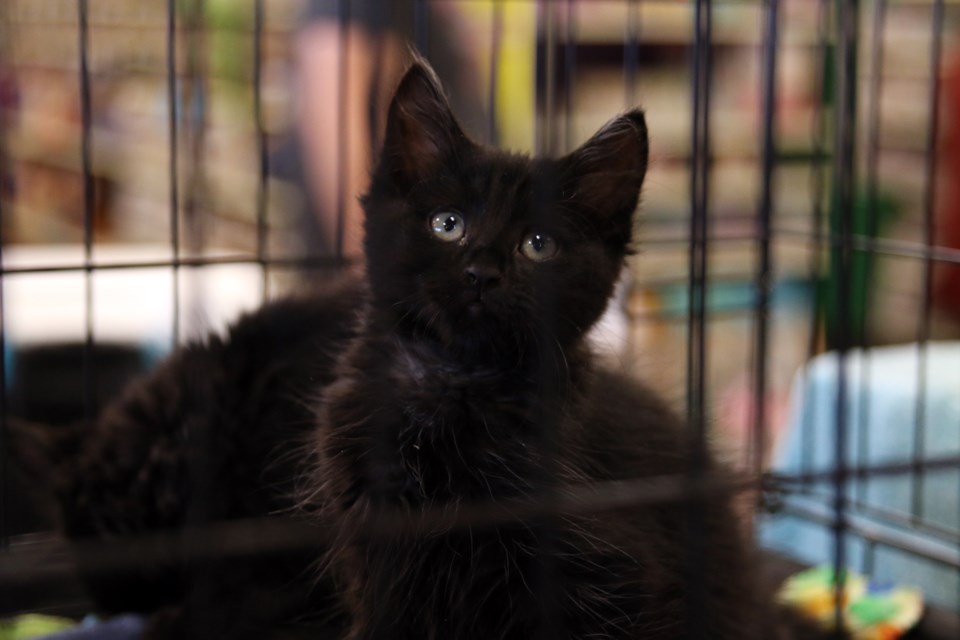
[
  {"x": 869, "y": 215},
  {"x": 229, "y": 46},
  {"x": 33, "y": 625},
  {"x": 871, "y": 209},
  {"x": 227, "y": 26}
]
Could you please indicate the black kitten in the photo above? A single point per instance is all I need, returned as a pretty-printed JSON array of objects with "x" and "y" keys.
[
  {"x": 460, "y": 377},
  {"x": 470, "y": 381}
]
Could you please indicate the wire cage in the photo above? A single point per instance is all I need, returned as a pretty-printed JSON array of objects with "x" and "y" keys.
[{"x": 795, "y": 294}]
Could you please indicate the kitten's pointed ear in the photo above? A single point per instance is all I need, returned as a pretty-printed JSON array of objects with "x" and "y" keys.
[
  {"x": 422, "y": 132},
  {"x": 605, "y": 174}
]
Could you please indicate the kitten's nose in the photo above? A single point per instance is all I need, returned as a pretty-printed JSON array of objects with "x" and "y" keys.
[{"x": 482, "y": 276}]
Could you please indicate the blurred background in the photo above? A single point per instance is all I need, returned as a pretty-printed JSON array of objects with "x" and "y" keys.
[{"x": 166, "y": 165}]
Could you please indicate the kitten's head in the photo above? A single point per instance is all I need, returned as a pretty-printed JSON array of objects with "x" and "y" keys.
[{"x": 489, "y": 254}]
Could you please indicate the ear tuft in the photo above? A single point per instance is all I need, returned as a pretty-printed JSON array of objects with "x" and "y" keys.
[
  {"x": 421, "y": 131},
  {"x": 605, "y": 174}
]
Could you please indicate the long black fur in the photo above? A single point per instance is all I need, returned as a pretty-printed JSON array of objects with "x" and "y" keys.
[
  {"x": 216, "y": 434},
  {"x": 456, "y": 374}
]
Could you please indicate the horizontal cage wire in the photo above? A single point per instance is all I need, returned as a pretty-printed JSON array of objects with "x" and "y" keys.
[{"x": 794, "y": 293}]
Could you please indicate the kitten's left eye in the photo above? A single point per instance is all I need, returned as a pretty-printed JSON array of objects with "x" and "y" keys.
[
  {"x": 538, "y": 247},
  {"x": 448, "y": 226}
]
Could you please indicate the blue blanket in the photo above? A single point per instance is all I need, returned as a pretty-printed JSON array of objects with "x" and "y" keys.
[{"x": 888, "y": 420}]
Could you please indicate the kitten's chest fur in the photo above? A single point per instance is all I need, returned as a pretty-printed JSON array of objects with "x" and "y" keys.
[
  {"x": 439, "y": 431},
  {"x": 412, "y": 433},
  {"x": 433, "y": 434}
]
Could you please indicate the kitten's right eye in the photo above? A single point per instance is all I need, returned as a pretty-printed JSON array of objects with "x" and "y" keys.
[{"x": 448, "y": 226}]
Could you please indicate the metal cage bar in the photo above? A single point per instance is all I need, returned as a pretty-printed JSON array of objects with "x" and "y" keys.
[
  {"x": 818, "y": 139},
  {"x": 700, "y": 162},
  {"x": 343, "y": 86},
  {"x": 4, "y": 400},
  {"x": 872, "y": 224},
  {"x": 846, "y": 87},
  {"x": 174, "y": 106},
  {"x": 496, "y": 36},
  {"x": 764, "y": 232},
  {"x": 89, "y": 363},
  {"x": 631, "y": 52},
  {"x": 263, "y": 158},
  {"x": 569, "y": 72},
  {"x": 929, "y": 240}
]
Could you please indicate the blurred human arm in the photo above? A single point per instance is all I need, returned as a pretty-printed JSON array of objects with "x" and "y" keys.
[{"x": 340, "y": 69}]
